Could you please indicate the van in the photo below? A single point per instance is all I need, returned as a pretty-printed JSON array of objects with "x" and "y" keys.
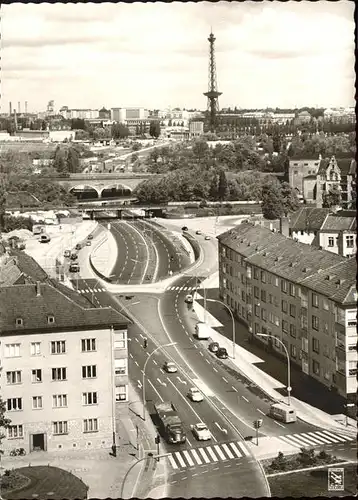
[
  {"x": 74, "y": 268},
  {"x": 44, "y": 238},
  {"x": 283, "y": 412}
]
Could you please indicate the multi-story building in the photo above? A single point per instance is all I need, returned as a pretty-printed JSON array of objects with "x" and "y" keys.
[
  {"x": 306, "y": 223},
  {"x": 85, "y": 114},
  {"x": 121, "y": 115},
  {"x": 299, "y": 294},
  {"x": 64, "y": 372},
  {"x": 196, "y": 128}
]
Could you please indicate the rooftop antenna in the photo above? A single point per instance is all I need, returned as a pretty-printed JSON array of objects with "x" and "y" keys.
[{"x": 212, "y": 94}]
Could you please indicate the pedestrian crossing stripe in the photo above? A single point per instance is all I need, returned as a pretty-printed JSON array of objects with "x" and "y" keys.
[
  {"x": 182, "y": 288},
  {"x": 319, "y": 438},
  {"x": 89, "y": 290},
  {"x": 208, "y": 454}
]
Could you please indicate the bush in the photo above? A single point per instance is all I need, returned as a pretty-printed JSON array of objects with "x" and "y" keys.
[
  {"x": 279, "y": 463},
  {"x": 203, "y": 204},
  {"x": 323, "y": 455},
  {"x": 307, "y": 457}
]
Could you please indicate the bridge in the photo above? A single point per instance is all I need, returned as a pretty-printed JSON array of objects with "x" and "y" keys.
[{"x": 104, "y": 185}]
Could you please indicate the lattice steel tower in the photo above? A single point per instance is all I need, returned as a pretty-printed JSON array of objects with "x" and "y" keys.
[{"x": 212, "y": 94}]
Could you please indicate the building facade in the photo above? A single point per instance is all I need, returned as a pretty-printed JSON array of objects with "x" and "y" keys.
[
  {"x": 298, "y": 294},
  {"x": 196, "y": 128},
  {"x": 85, "y": 114},
  {"x": 64, "y": 369}
]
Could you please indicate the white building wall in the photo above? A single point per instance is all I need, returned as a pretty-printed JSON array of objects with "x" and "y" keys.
[{"x": 303, "y": 237}]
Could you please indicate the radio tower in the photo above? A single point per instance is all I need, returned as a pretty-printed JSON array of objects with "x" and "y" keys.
[{"x": 212, "y": 94}]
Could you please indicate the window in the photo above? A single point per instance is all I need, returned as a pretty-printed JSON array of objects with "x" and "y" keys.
[
  {"x": 284, "y": 286},
  {"x": 36, "y": 376},
  {"x": 315, "y": 302},
  {"x": 350, "y": 241},
  {"x": 257, "y": 311},
  {"x": 50, "y": 319},
  {"x": 293, "y": 351},
  {"x": 90, "y": 425},
  {"x": 293, "y": 331},
  {"x": 325, "y": 350},
  {"x": 292, "y": 310},
  {"x": 256, "y": 273},
  {"x": 243, "y": 295},
  {"x": 36, "y": 402},
  {"x": 315, "y": 323},
  {"x": 15, "y": 431},
  {"x": 121, "y": 393},
  {"x": 60, "y": 427},
  {"x": 12, "y": 350},
  {"x": 256, "y": 292},
  {"x": 14, "y": 404},
  {"x": 59, "y": 374},
  {"x": 120, "y": 366},
  {"x": 13, "y": 377},
  {"x": 88, "y": 345},
  {"x": 58, "y": 347},
  {"x": 19, "y": 322},
  {"x": 325, "y": 303},
  {"x": 263, "y": 314},
  {"x": 315, "y": 345},
  {"x": 35, "y": 348},
  {"x": 89, "y": 398},
  {"x": 315, "y": 367},
  {"x": 277, "y": 321},
  {"x": 89, "y": 371},
  {"x": 257, "y": 328},
  {"x": 330, "y": 241},
  {"x": 292, "y": 290},
  {"x": 284, "y": 326},
  {"x": 284, "y": 306},
  {"x": 263, "y": 295},
  {"x": 263, "y": 276},
  {"x": 325, "y": 327},
  {"x": 59, "y": 400}
]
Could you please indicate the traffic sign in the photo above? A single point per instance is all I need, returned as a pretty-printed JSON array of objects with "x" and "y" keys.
[{"x": 289, "y": 388}]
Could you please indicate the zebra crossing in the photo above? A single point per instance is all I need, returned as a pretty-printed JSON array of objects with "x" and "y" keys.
[
  {"x": 91, "y": 290},
  {"x": 207, "y": 454},
  {"x": 316, "y": 438},
  {"x": 182, "y": 288}
]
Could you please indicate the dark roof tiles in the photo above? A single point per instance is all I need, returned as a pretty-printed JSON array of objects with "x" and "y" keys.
[{"x": 308, "y": 219}]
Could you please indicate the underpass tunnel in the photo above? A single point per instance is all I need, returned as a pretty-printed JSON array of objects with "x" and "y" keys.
[
  {"x": 84, "y": 192},
  {"x": 115, "y": 191}
]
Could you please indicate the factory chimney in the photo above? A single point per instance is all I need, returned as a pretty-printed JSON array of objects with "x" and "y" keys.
[
  {"x": 10, "y": 108},
  {"x": 18, "y": 107},
  {"x": 26, "y": 107},
  {"x": 15, "y": 118}
]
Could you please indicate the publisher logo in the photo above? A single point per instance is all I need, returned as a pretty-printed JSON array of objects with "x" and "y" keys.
[{"x": 335, "y": 479}]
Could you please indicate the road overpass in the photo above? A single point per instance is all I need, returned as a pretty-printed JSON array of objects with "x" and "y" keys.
[{"x": 104, "y": 185}]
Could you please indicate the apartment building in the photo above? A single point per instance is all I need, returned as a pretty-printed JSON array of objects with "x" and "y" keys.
[
  {"x": 85, "y": 114},
  {"x": 64, "y": 368},
  {"x": 298, "y": 294}
]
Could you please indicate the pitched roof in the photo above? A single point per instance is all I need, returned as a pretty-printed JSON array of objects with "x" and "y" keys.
[
  {"x": 337, "y": 223},
  {"x": 294, "y": 261},
  {"x": 346, "y": 165},
  {"x": 34, "y": 303},
  {"x": 308, "y": 218}
]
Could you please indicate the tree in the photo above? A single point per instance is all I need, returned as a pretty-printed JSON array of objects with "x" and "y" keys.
[
  {"x": 276, "y": 142},
  {"x": 333, "y": 198},
  {"x": 290, "y": 200},
  {"x": 136, "y": 146},
  {"x": 279, "y": 462},
  {"x": 170, "y": 122},
  {"x": 272, "y": 201},
  {"x": 72, "y": 161},
  {"x": 200, "y": 149},
  {"x": 213, "y": 189},
  {"x": 59, "y": 163},
  {"x": 307, "y": 457},
  {"x": 154, "y": 129},
  {"x": 222, "y": 186},
  {"x": 3, "y": 194},
  {"x": 120, "y": 131}
]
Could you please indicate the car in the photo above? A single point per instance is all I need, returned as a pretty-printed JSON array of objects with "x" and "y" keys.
[
  {"x": 44, "y": 238},
  {"x": 90, "y": 237},
  {"x": 222, "y": 353},
  {"x": 170, "y": 367},
  {"x": 78, "y": 246},
  {"x": 214, "y": 346},
  {"x": 198, "y": 232},
  {"x": 88, "y": 243},
  {"x": 184, "y": 228},
  {"x": 189, "y": 299},
  {"x": 195, "y": 395},
  {"x": 67, "y": 253},
  {"x": 201, "y": 431},
  {"x": 74, "y": 256},
  {"x": 74, "y": 268},
  {"x": 207, "y": 238}
]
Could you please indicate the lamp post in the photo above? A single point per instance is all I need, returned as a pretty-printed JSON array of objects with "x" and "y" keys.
[
  {"x": 289, "y": 388},
  {"x": 233, "y": 324},
  {"x": 145, "y": 365}
]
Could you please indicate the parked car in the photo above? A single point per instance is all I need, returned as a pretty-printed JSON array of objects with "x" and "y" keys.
[
  {"x": 44, "y": 238},
  {"x": 90, "y": 237},
  {"x": 184, "y": 228},
  {"x": 207, "y": 238},
  {"x": 170, "y": 367},
  {"x": 195, "y": 395},
  {"x": 198, "y": 232},
  {"x": 74, "y": 256},
  {"x": 78, "y": 246},
  {"x": 67, "y": 253},
  {"x": 201, "y": 431},
  {"x": 222, "y": 353},
  {"x": 189, "y": 299},
  {"x": 214, "y": 346},
  {"x": 88, "y": 243},
  {"x": 74, "y": 268}
]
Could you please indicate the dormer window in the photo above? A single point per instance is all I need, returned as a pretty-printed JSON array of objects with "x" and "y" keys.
[
  {"x": 50, "y": 319},
  {"x": 19, "y": 322}
]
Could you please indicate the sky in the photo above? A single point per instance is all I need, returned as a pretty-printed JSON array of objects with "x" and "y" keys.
[{"x": 155, "y": 55}]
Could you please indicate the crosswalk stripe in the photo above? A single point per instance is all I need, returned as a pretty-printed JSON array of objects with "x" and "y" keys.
[
  {"x": 227, "y": 449},
  {"x": 180, "y": 460},
  {"x": 324, "y": 439},
  {"x": 283, "y": 438},
  {"x": 243, "y": 448},
  {"x": 196, "y": 456},
  {"x": 332, "y": 436},
  {"x": 219, "y": 452},
  {"x": 211, "y": 453},
  {"x": 172, "y": 462},
  {"x": 314, "y": 438},
  {"x": 204, "y": 455},
  {"x": 296, "y": 441},
  {"x": 236, "y": 451},
  {"x": 188, "y": 457},
  {"x": 184, "y": 288}
]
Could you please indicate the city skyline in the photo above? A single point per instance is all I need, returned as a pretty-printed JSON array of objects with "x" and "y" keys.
[{"x": 267, "y": 54}]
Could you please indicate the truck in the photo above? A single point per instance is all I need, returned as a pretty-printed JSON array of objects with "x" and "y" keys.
[
  {"x": 203, "y": 331},
  {"x": 171, "y": 427}
]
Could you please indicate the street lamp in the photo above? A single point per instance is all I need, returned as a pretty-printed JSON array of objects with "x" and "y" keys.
[
  {"x": 145, "y": 365},
  {"x": 289, "y": 388},
  {"x": 233, "y": 324}
]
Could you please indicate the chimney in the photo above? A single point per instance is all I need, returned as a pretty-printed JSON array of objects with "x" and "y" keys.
[
  {"x": 18, "y": 107},
  {"x": 15, "y": 118},
  {"x": 10, "y": 108},
  {"x": 38, "y": 289},
  {"x": 26, "y": 107},
  {"x": 284, "y": 226}
]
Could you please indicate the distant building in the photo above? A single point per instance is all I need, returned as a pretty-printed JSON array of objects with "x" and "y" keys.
[
  {"x": 306, "y": 223},
  {"x": 84, "y": 114},
  {"x": 196, "y": 128},
  {"x": 104, "y": 114},
  {"x": 338, "y": 234},
  {"x": 302, "y": 118},
  {"x": 122, "y": 115}
]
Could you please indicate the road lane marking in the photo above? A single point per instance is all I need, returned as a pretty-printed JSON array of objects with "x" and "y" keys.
[
  {"x": 215, "y": 369},
  {"x": 211, "y": 453},
  {"x": 136, "y": 339},
  {"x": 160, "y": 397},
  {"x": 219, "y": 452},
  {"x": 136, "y": 362},
  {"x": 258, "y": 409},
  {"x": 180, "y": 460},
  {"x": 188, "y": 457},
  {"x": 201, "y": 354},
  {"x": 227, "y": 450},
  {"x": 139, "y": 384},
  {"x": 224, "y": 379},
  {"x": 221, "y": 429},
  {"x": 155, "y": 362},
  {"x": 131, "y": 355},
  {"x": 279, "y": 424},
  {"x": 160, "y": 382},
  {"x": 235, "y": 450},
  {"x": 296, "y": 440},
  {"x": 204, "y": 455},
  {"x": 172, "y": 462},
  {"x": 196, "y": 457},
  {"x": 233, "y": 388},
  {"x": 335, "y": 436},
  {"x": 314, "y": 438},
  {"x": 243, "y": 397}
]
